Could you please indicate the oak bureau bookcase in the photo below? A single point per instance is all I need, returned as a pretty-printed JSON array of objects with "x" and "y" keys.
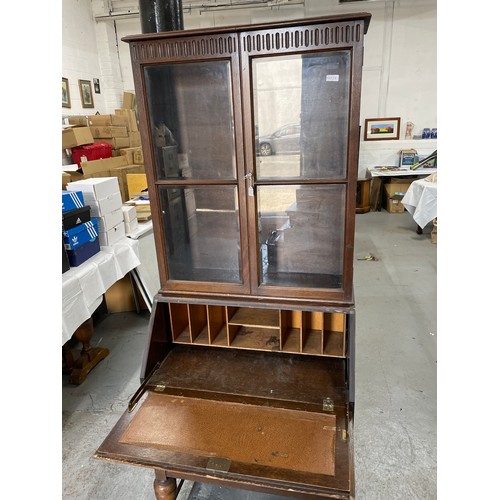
[{"x": 250, "y": 138}]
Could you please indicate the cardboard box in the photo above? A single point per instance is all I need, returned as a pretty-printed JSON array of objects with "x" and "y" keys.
[
  {"x": 105, "y": 205},
  {"x": 408, "y": 157},
  {"x": 136, "y": 184},
  {"x": 66, "y": 177},
  {"x": 81, "y": 121},
  {"x": 134, "y": 155},
  {"x": 110, "y": 220},
  {"x": 71, "y": 199},
  {"x": 121, "y": 173},
  {"x": 138, "y": 156},
  {"x": 113, "y": 235},
  {"x": 120, "y": 296},
  {"x": 83, "y": 253},
  {"x": 116, "y": 142},
  {"x": 434, "y": 232},
  {"x": 92, "y": 167},
  {"x": 80, "y": 234},
  {"x": 129, "y": 213},
  {"x": 131, "y": 117},
  {"x": 142, "y": 207},
  {"x": 76, "y": 136},
  {"x": 95, "y": 189},
  {"x": 128, "y": 100},
  {"x": 131, "y": 226},
  {"x": 75, "y": 217},
  {"x": 394, "y": 191},
  {"x": 108, "y": 131},
  {"x": 135, "y": 139},
  {"x": 107, "y": 120}
]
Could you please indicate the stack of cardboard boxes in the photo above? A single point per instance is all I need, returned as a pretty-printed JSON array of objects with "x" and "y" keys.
[
  {"x": 101, "y": 185},
  {"x": 103, "y": 196},
  {"x": 130, "y": 218},
  {"x": 119, "y": 131}
]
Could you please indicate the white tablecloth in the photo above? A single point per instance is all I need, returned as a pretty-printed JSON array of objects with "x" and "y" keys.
[
  {"x": 84, "y": 286},
  {"x": 421, "y": 201}
]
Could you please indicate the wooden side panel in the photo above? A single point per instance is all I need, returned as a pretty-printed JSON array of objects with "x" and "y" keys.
[{"x": 159, "y": 338}]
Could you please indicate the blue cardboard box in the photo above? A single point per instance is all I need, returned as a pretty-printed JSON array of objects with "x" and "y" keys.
[
  {"x": 82, "y": 253},
  {"x": 81, "y": 234},
  {"x": 72, "y": 200}
]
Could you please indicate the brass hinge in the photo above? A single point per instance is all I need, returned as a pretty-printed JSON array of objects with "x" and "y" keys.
[{"x": 327, "y": 404}]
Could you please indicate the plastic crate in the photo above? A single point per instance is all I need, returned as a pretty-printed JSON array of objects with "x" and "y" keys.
[{"x": 96, "y": 151}]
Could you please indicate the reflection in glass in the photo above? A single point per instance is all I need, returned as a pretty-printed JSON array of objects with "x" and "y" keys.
[
  {"x": 202, "y": 231},
  {"x": 301, "y": 109},
  {"x": 301, "y": 235},
  {"x": 192, "y": 120}
]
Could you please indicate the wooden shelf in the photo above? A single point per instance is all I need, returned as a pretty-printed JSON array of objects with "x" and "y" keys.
[
  {"x": 292, "y": 331},
  {"x": 246, "y": 316},
  {"x": 262, "y": 339}
]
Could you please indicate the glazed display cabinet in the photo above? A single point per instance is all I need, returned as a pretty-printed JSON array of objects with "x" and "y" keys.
[{"x": 250, "y": 138}]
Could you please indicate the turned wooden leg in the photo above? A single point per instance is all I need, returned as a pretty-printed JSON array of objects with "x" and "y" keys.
[
  {"x": 165, "y": 487},
  {"x": 89, "y": 356}
]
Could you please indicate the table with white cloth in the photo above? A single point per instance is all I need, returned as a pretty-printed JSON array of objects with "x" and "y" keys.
[
  {"x": 83, "y": 288},
  {"x": 379, "y": 174},
  {"x": 421, "y": 201}
]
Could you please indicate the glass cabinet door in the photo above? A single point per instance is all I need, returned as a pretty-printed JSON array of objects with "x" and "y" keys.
[
  {"x": 202, "y": 231},
  {"x": 190, "y": 108},
  {"x": 301, "y": 116},
  {"x": 301, "y": 111},
  {"x": 301, "y": 235},
  {"x": 192, "y": 120}
]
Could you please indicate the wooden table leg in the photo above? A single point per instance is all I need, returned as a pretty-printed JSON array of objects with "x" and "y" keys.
[
  {"x": 419, "y": 229},
  {"x": 89, "y": 356},
  {"x": 165, "y": 487}
]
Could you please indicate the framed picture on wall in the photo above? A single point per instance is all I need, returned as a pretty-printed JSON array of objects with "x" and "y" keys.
[
  {"x": 382, "y": 129},
  {"x": 66, "y": 101},
  {"x": 86, "y": 93}
]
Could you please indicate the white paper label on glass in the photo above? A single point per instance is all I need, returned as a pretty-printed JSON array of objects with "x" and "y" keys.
[{"x": 332, "y": 78}]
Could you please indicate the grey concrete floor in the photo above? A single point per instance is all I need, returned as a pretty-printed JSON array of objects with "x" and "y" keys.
[{"x": 395, "y": 419}]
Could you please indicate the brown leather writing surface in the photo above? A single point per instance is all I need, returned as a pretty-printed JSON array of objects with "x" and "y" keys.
[{"x": 275, "y": 437}]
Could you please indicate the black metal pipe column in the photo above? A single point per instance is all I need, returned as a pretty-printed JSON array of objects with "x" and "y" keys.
[{"x": 161, "y": 15}]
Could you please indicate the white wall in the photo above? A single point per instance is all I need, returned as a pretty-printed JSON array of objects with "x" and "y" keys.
[
  {"x": 79, "y": 53},
  {"x": 399, "y": 74}
]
